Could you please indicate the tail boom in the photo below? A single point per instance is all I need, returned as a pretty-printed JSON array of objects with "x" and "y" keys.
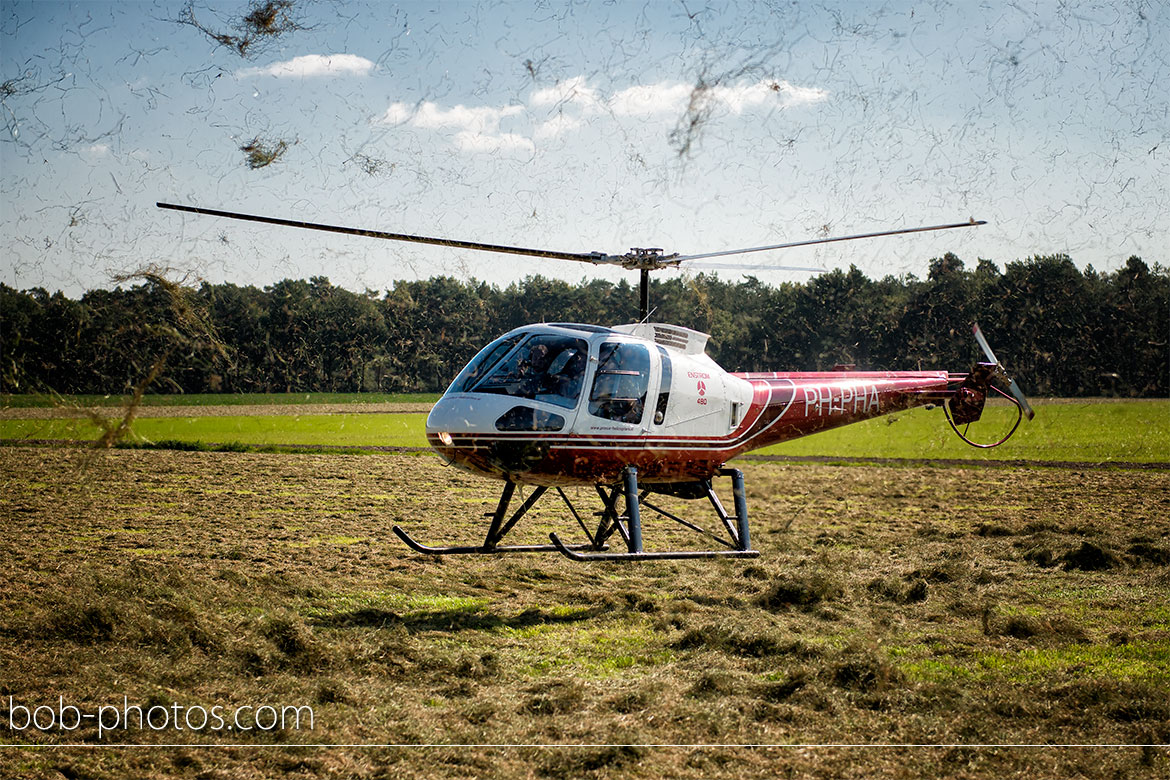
[{"x": 795, "y": 404}]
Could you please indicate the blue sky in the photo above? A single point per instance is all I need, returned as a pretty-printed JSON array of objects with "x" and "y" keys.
[{"x": 578, "y": 127}]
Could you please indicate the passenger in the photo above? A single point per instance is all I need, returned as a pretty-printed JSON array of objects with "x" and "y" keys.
[{"x": 567, "y": 382}]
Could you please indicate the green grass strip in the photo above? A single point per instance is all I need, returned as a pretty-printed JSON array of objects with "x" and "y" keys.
[
  {"x": 217, "y": 399},
  {"x": 343, "y": 430},
  {"x": 1135, "y": 432}
]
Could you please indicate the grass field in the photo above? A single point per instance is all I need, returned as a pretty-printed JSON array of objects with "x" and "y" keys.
[
  {"x": 967, "y": 610},
  {"x": 953, "y": 608},
  {"x": 1135, "y": 431}
]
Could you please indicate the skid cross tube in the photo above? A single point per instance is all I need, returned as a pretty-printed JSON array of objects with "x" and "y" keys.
[
  {"x": 499, "y": 529},
  {"x": 631, "y": 531}
]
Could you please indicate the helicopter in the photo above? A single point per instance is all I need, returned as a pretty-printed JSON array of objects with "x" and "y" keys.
[{"x": 639, "y": 410}]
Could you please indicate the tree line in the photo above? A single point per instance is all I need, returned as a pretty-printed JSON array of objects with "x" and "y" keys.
[{"x": 1061, "y": 331}]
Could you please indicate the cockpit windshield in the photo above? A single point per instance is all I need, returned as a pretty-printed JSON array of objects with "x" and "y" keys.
[
  {"x": 546, "y": 367},
  {"x": 483, "y": 362}
]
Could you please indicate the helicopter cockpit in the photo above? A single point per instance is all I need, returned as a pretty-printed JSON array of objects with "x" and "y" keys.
[
  {"x": 546, "y": 367},
  {"x": 549, "y": 367}
]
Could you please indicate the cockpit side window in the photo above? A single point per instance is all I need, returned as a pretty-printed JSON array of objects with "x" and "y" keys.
[
  {"x": 621, "y": 382},
  {"x": 483, "y": 362},
  {"x": 663, "y": 387},
  {"x": 546, "y": 367}
]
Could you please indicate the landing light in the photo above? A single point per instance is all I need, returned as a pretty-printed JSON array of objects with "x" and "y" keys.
[{"x": 445, "y": 438}]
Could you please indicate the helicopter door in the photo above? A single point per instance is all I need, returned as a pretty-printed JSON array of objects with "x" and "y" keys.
[
  {"x": 663, "y": 401},
  {"x": 620, "y": 385}
]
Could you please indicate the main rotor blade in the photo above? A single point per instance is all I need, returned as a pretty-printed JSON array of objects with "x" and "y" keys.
[
  {"x": 594, "y": 257},
  {"x": 810, "y": 242},
  {"x": 739, "y": 267}
]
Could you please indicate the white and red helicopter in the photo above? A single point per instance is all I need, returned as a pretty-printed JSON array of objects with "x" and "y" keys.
[{"x": 638, "y": 409}]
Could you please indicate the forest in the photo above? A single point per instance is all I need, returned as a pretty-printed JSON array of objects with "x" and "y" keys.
[{"x": 1061, "y": 331}]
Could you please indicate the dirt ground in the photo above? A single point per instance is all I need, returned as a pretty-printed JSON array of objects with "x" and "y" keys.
[{"x": 976, "y": 613}]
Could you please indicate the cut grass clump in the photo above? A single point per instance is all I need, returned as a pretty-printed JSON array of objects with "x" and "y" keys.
[
  {"x": 555, "y": 697},
  {"x": 473, "y": 667},
  {"x": 631, "y": 702},
  {"x": 1054, "y": 627},
  {"x": 781, "y": 690},
  {"x": 865, "y": 672},
  {"x": 1089, "y": 557},
  {"x": 294, "y": 641},
  {"x": 1150, "y": 553},
  {"x": 714, "y": 682},
  {"x": 362, "y": 617},
  {"x": 898, "y": 590},
  {"x": 746, "y": 644},
  {"x": 1119, "y": 700},
  {"x": 949, "y": 570},
  {"x": 1041, "y": 556},
  {"x": 579, "y": 762},
  {"x": 86, "y": 625},
  {"x": 128, "y": 612},
  {"x": 992, "y": 529},
  {"x": 333, "y": 691},
  {"x": 801, "y": 591}
]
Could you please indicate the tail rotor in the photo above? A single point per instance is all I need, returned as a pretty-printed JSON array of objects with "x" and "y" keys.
[
  {"x": 965, "y": 406},
  {"x": 1002, "y": 375}
]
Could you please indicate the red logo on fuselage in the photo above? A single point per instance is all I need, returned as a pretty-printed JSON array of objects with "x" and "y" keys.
[{"x": 702, "y": 387}]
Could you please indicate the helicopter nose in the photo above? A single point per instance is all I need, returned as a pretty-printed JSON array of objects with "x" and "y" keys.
[
  {"x": 448, "y": 418},
  {"x": 455, "y": 414}
]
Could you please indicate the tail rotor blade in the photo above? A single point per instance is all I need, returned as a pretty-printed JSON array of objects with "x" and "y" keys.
[
  {"x": 1019, "y": 395},
  {"x": 984, "y": 345}
]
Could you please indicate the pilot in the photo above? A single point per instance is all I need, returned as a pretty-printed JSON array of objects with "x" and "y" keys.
[{"x": 532, "y": 370}]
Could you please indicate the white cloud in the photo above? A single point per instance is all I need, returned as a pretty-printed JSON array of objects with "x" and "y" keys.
[
  {"x": 661, "y": 98},
  {"x": 472, "y": 141},
  {"x": 481, "y": 119},
  {"x": 311, "y": 65},
  {"x": 742, "y": 96},
  {"x": 478, "y": 127},
  {"x": 570, "y": 103},
  {"x": 791, "y": 95},
  {"x": 396, "y": 114},
  {"x": 674, "y": 97},
  {"x": 558, "y": 125}
]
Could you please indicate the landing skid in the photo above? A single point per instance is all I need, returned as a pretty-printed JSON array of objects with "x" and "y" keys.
[
  {"x": 627, "y": 525},
  {"x": 480, "y": 549}
]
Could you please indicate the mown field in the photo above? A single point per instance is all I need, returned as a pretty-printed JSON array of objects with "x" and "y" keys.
[{"x": 964, "y": 609}]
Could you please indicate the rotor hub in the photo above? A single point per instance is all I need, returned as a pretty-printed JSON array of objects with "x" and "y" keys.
[{"x": 646, "y": 259}]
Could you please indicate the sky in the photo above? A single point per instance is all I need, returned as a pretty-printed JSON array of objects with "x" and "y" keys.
[{"x": 578, "y": 126}]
